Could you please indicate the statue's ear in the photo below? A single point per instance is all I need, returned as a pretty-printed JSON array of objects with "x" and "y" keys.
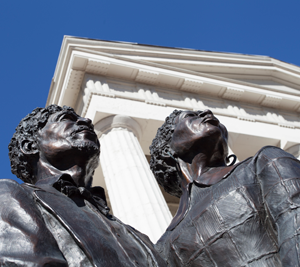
[{"x": 29, "y": 147}]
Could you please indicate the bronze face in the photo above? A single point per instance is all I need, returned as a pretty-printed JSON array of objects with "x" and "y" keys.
[
  {"x": 198, "y": 132},
  {"x": 56, "y": 218},
  {"x": 67, "y": 135}
]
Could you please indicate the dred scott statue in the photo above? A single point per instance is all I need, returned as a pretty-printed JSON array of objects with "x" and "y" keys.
[
  {"x": 247, "y": 214},
  {"x": 56, "y": 218}
]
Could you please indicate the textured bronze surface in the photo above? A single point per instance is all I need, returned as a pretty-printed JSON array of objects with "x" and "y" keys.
[
  {"x": 56, "y": 218},
  {"x": 241, "y": 215}
]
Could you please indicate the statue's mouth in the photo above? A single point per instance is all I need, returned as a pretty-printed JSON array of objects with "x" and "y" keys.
[{"x": 84, "y": 129}]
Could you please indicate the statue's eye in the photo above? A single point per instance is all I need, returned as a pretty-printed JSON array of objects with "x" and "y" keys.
[
  {"x": 190, "y": 114},
  {"x": 67, "y": 116}
]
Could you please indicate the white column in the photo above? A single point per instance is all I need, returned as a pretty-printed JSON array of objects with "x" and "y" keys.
[
  {"x": 295, "y": 151},
  {"x": 133, "y": 191}
]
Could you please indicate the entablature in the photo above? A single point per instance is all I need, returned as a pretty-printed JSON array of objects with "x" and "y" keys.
[
  {"x": 229, "y": 105},
  {"x": 218, "y": 66},
  {"x": 81, "y": 63}
]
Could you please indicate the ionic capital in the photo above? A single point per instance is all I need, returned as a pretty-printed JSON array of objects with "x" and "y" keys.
[{"x": 116, "y": 122}]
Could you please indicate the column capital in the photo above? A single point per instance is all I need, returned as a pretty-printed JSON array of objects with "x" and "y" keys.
[{"x": 118, "y": 121}]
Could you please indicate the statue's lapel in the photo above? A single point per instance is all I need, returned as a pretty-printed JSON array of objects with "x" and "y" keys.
[{"x": 84, "y": 231}]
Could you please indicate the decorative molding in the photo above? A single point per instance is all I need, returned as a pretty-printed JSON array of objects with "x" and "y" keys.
[
  {"x": 251, "y": 94},
  {"x": 156, "y": 103},
  {"x": 243, "y": 118},
  {"x": 97, "y": 67},
  {"x": 219, "y": 107},
  {"x": 233, "y": 94},
  {"x": 190, "y": 85},
  {"x": 271, "y": 101},
  {"x": 75, "y": 80},
  {"x": 145, "y": 76},
  {"x": 89, "y": 96},
  {"x": 82, "y": 54},
  {"x": 286, "y": 125},
  {"x": 107, "y": 94}
]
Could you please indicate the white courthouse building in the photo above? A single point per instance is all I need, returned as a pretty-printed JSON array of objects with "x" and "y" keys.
[{"x": 128, "y": 89}]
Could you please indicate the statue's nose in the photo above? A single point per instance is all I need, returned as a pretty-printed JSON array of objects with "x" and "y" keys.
[
  {"x": 205, "y": 112},
  {"x": 84, "y": 121}
]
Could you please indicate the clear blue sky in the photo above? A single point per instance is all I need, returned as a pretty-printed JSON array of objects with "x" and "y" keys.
[{"x": 32, "y": 33}]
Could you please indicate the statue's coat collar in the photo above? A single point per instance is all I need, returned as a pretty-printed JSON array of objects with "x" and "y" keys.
[
  {"x": 81, "y": 227},
  {"x": 206, "y": 180}
]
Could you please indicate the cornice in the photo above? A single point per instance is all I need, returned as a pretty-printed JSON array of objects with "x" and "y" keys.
[
  {"x": 151, "y": 73},
  {"x": 125, "y": 48},
  {"x": 77, "y": 58},
  {"x": 157, "y": 53}
]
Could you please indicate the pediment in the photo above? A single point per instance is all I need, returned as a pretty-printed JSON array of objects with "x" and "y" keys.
[{"x": 258, "y": 80}]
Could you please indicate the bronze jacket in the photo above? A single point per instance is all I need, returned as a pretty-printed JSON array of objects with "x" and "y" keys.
[
  {"x": 40, "y": 226},
  {"x": 249, "y": 218}
]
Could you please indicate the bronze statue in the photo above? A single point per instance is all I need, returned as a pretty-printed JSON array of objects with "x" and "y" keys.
[
  {"x": 244, "y": 214},
  {"x": 56, "y": 218}
]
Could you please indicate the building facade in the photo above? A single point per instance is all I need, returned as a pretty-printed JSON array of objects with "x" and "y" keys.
[{"x": 128, "y": 89}]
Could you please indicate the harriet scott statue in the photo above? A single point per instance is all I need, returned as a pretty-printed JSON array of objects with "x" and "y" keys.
[
  {"x": 247, "y": 214},
  {"x": 56, "y": 218}
]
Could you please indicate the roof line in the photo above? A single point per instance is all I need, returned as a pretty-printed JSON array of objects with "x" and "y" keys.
[{"x": 168, "y": 47}]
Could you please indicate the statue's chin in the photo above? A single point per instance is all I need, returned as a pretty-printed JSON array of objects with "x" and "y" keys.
[{"x": 87, "y": 146}]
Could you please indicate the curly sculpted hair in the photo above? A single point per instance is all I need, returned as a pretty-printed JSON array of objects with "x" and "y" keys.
[
  {"x": 21, "y": 163},
  {"x": 162, "y": 164}
]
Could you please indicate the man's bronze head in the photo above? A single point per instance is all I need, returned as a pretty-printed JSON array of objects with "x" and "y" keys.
[
  {"x": 54, "y": 133},
  {"x": 162, "y": 164},
  {"x": 184, "y": 135}
]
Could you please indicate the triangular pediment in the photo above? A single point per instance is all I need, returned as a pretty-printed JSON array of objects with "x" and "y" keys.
[
  {"x": 241, "y": 67},
  {"x": 258, "y": 80}
]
